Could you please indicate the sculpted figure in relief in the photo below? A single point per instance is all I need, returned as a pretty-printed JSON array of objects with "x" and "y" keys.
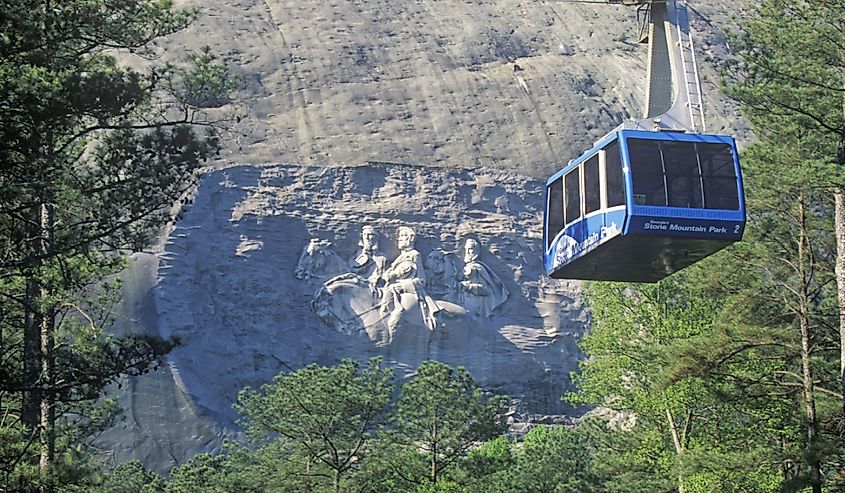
[
  {"x": 369, "y": 296},
  {"x": 343, "y": 301},
  {"x": 367, "y": 262},
  {"x": 481, "y": 289},
  {"x": 406, "y": 275}
]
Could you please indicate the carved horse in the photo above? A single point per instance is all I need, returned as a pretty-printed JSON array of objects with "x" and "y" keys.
[
  {"x": 347, "y": 304},
  {"x": 318, "y": 261},
  {"x": 350, "y": 305}
]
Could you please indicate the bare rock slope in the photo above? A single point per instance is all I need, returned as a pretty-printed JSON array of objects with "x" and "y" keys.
[{"x": 521, "y": 85}]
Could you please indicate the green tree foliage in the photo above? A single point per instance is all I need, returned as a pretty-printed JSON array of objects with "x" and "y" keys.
[
  {"x": 486, "y": 466},
  {"x": 93, "y": 156},
  {"x": 129, "y": 477},
  {"x": 790, "y": 79},
  {"x": 775, "y": 350},
  {"x": 204, "y": 472},
  {"x": 441, "y": 414},
  {"x": 550, "y": 459},
  {"x": 790, "y": 76},
  {"x": 323, "y": 417},
  {"x": 337, "y": 429},
  {"x": 275, "y": 467},
  {"x": 555, "y": 460},
  {"x": 673, "y": 421}
]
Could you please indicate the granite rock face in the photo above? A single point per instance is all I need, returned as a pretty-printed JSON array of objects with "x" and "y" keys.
[
  {"x": 225, "y": 284},
  {"x": 506, "y": 84}
]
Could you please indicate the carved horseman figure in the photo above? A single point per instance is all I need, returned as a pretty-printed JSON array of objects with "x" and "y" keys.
[
  {"x": 406, "y": 275},
  {"x": 365, "y": 270},
  {"x": 371, "y": 296},
  {"x": 481, "y": 289},
  {"x": 318, "y": 261},
  {"x": 367, "y": 263}
]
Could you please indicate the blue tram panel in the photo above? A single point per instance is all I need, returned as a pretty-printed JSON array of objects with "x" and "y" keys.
[{"x": 641, "y": 205}]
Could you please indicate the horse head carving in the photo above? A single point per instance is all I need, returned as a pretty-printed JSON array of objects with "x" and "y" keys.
[
  {"x": 442, "y": 274},
  {"x": 318, "y": 261}
]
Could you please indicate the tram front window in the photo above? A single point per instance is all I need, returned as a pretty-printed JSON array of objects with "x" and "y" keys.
[
  {"x": 683, "y": 177},
  {"x": 683, "y": 174},
  {"x": 719, "y": 175},
  {"x": 647, "y": 172}
]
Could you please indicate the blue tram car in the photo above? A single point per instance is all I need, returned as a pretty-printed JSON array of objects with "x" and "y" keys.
[{"x": 641, "y": 205}]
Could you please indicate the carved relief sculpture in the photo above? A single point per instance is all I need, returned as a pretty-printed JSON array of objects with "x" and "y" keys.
[
  {"x": 406, "y": 275},
  {"x": 373, "y": 298},
  {"x": 481, "y": 289},
  {"x": 441, "y": 274},
  {"x": 318, "y": 261},
  {"x": 367, "y": 262}
]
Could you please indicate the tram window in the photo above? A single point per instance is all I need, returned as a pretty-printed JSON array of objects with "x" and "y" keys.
[
  {"x": 717, "y": 160},
  {"x": 683, "y": 177},
  {"x": 647, "y": 172},
  {"x": 719, "y": 176},
  {"x": 572, "y": 196},
  {"x": 554, "y": 214},
  {"x": 592, "y": 185},
  {"x": 613, "y": 176}
]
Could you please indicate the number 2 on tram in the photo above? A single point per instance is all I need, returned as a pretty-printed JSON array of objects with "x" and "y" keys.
[{"x": 641, "y": 205}]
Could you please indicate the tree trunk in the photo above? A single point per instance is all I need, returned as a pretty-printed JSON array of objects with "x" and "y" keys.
[
  {"x": 48, "y": 409},
  {"x": 679, "y": 447},
  {"x": 38, "y": 410},
  {"x": 806, "y": 368},
  {"x": 31, "y": 406},
  {"x": 46, "y": 221},
  {"x": 809, "y": 401},
  {"x": 2, "y": 323},
  {"x": 432, "y": 475},
  {"x": 839, "y": 225}
]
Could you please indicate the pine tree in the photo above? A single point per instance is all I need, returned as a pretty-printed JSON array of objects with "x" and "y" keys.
[
  {"x": 790, "y": 80},
  {"x": 775, "y": 351},
  {"x": 441, "y": 414},
  {"x": 667, "y": 427},
  {"x": 322, "y": 417},
  {"x": 93, "y": 156}
]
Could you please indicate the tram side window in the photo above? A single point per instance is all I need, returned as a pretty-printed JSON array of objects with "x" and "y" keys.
[
  {"x": 554, "y": 211},
  {"x": 613, "y": 175},
  {"x": 572, "y": 196},
  {"x": 683, "y": 178},
  {"x": 719, "y": 176},
  {"x": 647, "y": 172},
  {"x": 592, "y": 185}
]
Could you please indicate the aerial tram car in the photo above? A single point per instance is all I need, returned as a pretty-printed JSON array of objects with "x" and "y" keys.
[{"x": 654, "y": 195}]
